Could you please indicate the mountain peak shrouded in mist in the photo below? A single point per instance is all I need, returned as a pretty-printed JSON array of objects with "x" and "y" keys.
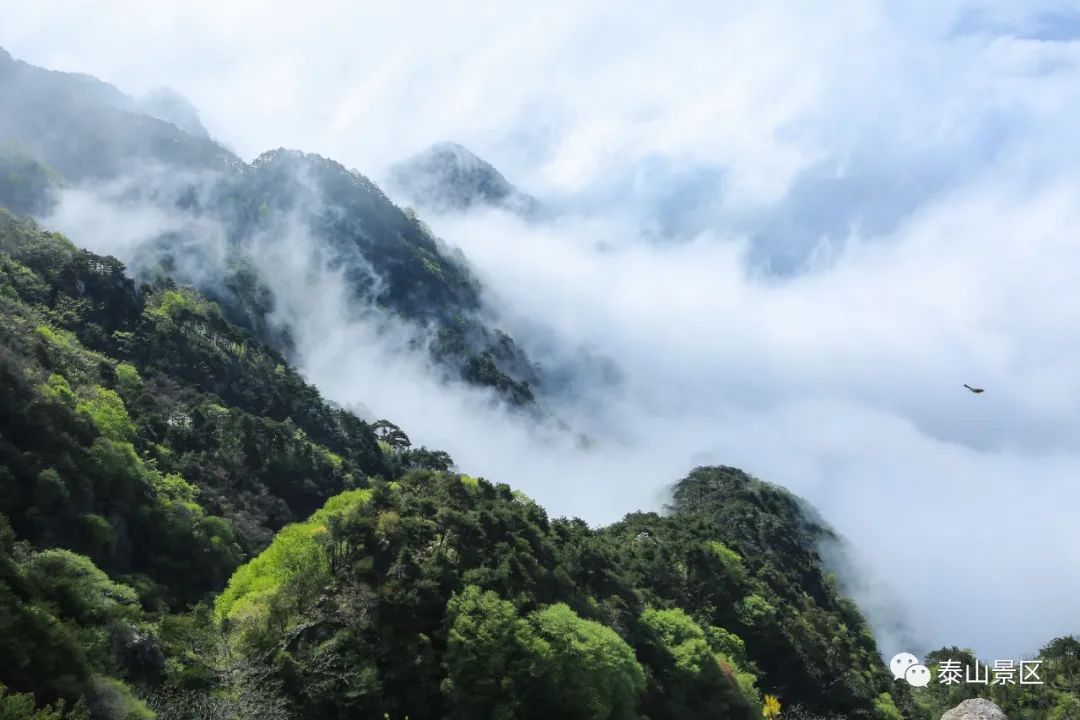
[
  {"x": 88, "y": 129},
  {"x": 153, "y": 157},
  {"x": 167, "y": 104},
  {"x": 449, "y": 177}
]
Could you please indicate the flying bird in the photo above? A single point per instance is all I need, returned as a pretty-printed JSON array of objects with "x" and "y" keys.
[{"x": 973, "y": 389}]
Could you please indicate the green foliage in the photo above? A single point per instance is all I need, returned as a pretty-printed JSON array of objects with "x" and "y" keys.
[
  {"x": 1058, "y": 696},
  {"x": 731, "y": 560},
  {"x": 886, "y": 708},
  {"x": 128, "y": 380},
  {"x": 146, "y": 409},
  {"x": 682, "y": 637},
  {"x": 99, "y": 532},
  {"x": 50, "y": 491},
  {"x": 55, "y": 338},
  {"x": 692, "y": 680},
  {"x": 174, "y": 304},
  {"x": 105, "y": 409},
  {"x": 173, "y": 488},
  {"x": 486, "y": 656},
  {"x": 112, "y": 698},
  {"x": 57, "y": 389},
  {"x": 77, "y": 588},
  {"x": 295, "y": 554},
  {"x": 590, "y": 672},
  {"x": 802, "y": 641},
  {"x": 21, "y": 706},
  {"x": 755, "y": 610},
  {"x": 61, "y": 617},
  {"x": 727, "y": 643},
  {"x": 1067, "y": 707}
]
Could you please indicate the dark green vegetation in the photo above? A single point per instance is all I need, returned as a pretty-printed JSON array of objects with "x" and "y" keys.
[
  {"x": 64, "y": 127},
  {"x": 149, "y": 449}
]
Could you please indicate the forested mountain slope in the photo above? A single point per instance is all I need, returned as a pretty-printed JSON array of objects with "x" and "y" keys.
[
  {"x": 188, "y": 530},
  {"x": 62, "y": 129},
  {"x": 148, "y": 448}
]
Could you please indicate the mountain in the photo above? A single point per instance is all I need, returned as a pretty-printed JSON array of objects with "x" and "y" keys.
[
  {"x": 168, "y": 105},
  {"x": 69, "y": 130},
  {"x": 87, "y": 129},
  {"x": 149, "y": 447},
  {"x": 188, "y": 529},
  {"x": 448, "y": 177}
]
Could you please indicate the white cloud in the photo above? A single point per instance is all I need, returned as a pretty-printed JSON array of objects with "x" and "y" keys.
[{"x": 908, "y": 168}]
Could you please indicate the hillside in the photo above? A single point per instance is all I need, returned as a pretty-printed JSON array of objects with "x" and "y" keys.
[{"x": 148, "y": 448}]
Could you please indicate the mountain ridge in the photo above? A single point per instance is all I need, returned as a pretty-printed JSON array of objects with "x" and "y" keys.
[
  {"x": 189, "y": 529},
  {"x": 422, "y": 282},
  {"x": 159, "y": 446}
]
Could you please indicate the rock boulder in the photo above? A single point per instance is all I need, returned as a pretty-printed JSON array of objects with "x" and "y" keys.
[{"x": 977, "y": 709}]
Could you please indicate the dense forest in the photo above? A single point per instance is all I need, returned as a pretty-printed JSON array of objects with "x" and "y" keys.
[{"x": 189, "y": 530}]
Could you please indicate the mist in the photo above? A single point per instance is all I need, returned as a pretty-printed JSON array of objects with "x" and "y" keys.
[{"x": 795, "y": 232}]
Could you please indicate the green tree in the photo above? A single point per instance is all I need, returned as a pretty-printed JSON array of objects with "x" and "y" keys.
[
  {"x": 485, "y": 643},
  {"x": 78, "y": 588},
  {"x": 690, "y": 679},
  {"x": 20, "y": 706},
  {"x": 105, "y": 409},
  {"x": 1066, "y": 708},
  {"x": 589, "y": 671}
]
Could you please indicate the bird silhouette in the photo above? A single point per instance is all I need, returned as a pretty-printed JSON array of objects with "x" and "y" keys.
[{"x": 974, "y": 389}]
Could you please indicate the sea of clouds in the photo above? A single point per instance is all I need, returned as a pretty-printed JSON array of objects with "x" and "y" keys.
[{"x": 795, "y": 228}]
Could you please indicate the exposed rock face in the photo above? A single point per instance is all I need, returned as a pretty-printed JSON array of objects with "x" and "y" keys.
[{"x": 977, "y": 709}]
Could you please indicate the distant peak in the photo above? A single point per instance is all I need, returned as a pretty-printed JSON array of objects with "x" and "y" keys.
[
  {"x": 167, "y": 104},
  {"x": 292, "y": 158},
  {"x": 448, "y": 176},
  {"x": 450, "y": 145}
]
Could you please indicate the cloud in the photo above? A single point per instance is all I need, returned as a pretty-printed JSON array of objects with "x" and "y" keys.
[
  {"x": 796, "y": 228},
  {"x": 845, "y": 385}
]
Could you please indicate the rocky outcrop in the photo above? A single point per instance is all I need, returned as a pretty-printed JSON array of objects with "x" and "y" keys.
[{"x": 977, "y": 709}]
